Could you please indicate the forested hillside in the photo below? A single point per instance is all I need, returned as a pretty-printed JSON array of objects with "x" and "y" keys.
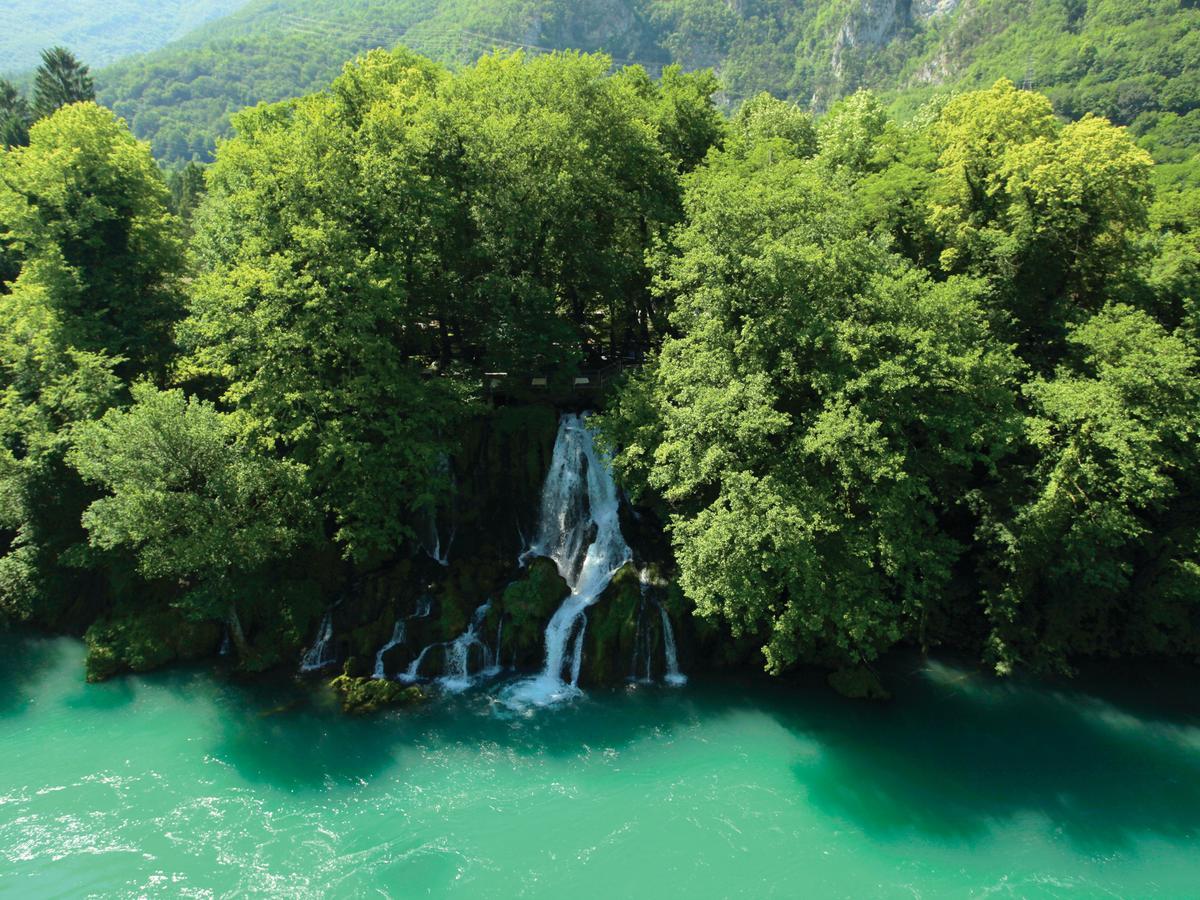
[
  {"x": 1133, "y": 61},
  {"x": 102, "y": 31}
]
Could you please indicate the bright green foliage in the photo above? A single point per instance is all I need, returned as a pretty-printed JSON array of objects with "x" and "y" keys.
[
  {"x": 407, "y": 219},
  {"x": 90, "y": 257},
  {"x": 852, "y": 131},
  {"x": 849, "y": 454},
  {"x": 1049, "y": 212},
  {"x": 815, "y": 419},
  {"x": 188, "y": 496},
  {"x": 87, "y": 203},
  {"x": 1117, "y": 473},
  {"x": 570, "y": 185},
  {"x": 315, "y": 255},
  {"x": 764, "y": 119},
  {"x": 61, "y": 79},
  {"x": 683, "y": 113}
]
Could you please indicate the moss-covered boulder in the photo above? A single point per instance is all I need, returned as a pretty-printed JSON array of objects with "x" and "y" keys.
[
  {"x": 526, "y": 606},
  {"x": 368, "y": 695},
  {"x": 612, "y": 630},
  {"x": 858, "y": 683},
  {"x": 146, "y": 639}
]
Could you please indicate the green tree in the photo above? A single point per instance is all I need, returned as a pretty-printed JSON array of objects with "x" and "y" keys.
[
  {"x": 60, "y": 80},
  {"x": 1049, "y": 213},
  {"x": 190, "y": 499},
  {"x": 95, "y": 259},
  {"x": 87, "y": 195},
  {"x": 820, "y": 417},
  {"x": 1102, "y": 557},
  {"x": 316, "y": 249},
  {"x": 15, "y": 116}
]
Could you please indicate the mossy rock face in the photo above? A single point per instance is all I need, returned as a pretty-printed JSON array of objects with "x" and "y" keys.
[
  {"x": 612, "y": 625},
  {"x": 498, "y": 477},
  {"x": 858, "y": 683},
  {"x": 148, "y": 639},
  {"x": 468, "y": 585},
  {"x": 526, "y": 607},
  {"x": 368, "y": 695}
]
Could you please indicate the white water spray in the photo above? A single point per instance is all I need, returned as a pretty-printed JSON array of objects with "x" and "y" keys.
[
  {"x": 674, "y": 677},
  {"x": 580, "y": 530},
  {"x": 320, "y": 654},
  {"x": 438, "y": 553},
  {"x": 397, "y": 638},
  {"x": 399, "y": 633},
  {"x": 457, "y": 675},
  {"x": 458, "y": 654}
]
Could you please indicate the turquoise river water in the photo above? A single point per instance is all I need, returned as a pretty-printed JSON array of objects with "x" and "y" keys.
[{"x": 191, "y": 784}]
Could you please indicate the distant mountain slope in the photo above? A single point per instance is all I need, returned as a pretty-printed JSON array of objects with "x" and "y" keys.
[
  {"x": 98, "y": 31},
  {"x": 1131, "y": 60}
]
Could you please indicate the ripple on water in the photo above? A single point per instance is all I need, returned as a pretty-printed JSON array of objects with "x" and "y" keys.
[{"x": 961, "y": 787}]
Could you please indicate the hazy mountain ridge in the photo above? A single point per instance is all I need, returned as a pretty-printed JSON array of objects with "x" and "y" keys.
[
  {"x": 1125, "y": 59},
  {"x": 100, "y": 31}
]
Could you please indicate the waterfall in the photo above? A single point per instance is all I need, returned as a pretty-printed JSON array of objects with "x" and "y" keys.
[
  {"x": 643, "y": 646},
  {"x": 439, "y": 554},
  {"x": 434, "y": 548},
  {"x": 457, "y": 667},
  {"x": 399, "y": 633},
  {"x": 674, "y": 677},
  {"x": 412, "y": 673},
  {"x": 226, "y": 643},
  {"x": 320, "y": 654},
  {"x": 458, "y": 654},
  {"x": 397, "y": 638},
  {"x": 580, "y": 530}
]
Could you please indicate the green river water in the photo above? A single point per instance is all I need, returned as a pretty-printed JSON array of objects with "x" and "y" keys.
[{"x": 188, "y": 783}]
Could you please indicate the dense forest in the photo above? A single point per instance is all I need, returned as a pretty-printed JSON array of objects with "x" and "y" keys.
[
  {"x": 1131, "y": 61},
  {"x": 929, "y": 381}
]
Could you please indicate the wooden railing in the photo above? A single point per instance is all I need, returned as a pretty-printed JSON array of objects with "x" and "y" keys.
[{"x": 587, "y": 381}]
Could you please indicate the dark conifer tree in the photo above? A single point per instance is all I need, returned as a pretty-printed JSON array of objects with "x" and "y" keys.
[
  {"x": 61, "y": 79},
  {"x": 14, "y": 116}
]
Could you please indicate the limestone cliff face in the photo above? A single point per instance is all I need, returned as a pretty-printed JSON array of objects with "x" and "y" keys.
[
  {"x": 927, "y": 9},
  {"x": 872, "y": 24}
]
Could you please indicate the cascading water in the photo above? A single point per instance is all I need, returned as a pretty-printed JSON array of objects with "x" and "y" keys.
[
  {"x": 642, "y": 670},
  {"x": 674, "y": 677},
  {"x": 438, "y": 553},
  {"x": 457, "y": 667},
  {"x": 399, "y": 633},
  {"x": 580, "y": 530},
  {"x": 320, "y": 654},
  {"x": 433, "y": 547},
  {"x": 458, "y": 654},
  {"x": 396, "y": 640}
]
